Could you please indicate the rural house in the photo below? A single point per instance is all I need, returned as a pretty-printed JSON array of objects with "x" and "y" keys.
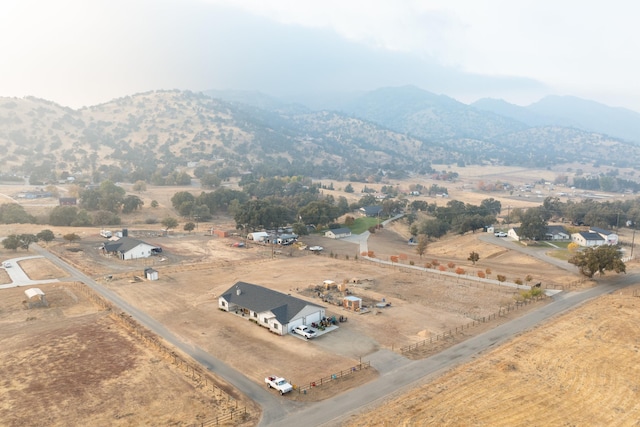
[
  {"x": 610, "y": 237},
  {"x": 278, "y": 312},
  {"x": 338, "y": 233},
  {"x": 371, "y": 211},
  {"x": 556, "y": 232},
  {"x": 588, "y": 239},
  {"x": 553, "y": 232},
  {"x": 127, "y": 248}
]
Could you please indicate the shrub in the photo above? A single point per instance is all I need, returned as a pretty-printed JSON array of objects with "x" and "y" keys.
[
  {"x": 442, "y": 268},
  {"x": 411, "y": 262},
  {"x": 460, "y": 270},
  {"x": 435, "y": 262},
  {"x": 394, "y": 258},
  {"x": 481, "y": 274},
  {"x": 428, "y": 265},
  {"x": 518, "y": 281},
  {"x": 451, "y": 264},
  {"x": 501, "y": 278}
]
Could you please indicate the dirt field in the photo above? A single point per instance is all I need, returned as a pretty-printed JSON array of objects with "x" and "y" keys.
[
  {"x": 578, "y": 370},
  {"x": 72, "y": 364}
]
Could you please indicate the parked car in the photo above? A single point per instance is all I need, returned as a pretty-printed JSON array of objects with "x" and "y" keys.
[
  {"x": 279, "y": 384},
  {"x": 316, "y": 248},
  {"x": 500, "y": 234},
  {"x": 6, "y": 264},
  {"x": 305, "y": 331}
]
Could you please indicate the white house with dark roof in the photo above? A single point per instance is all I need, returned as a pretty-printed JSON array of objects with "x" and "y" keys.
[
  {"x": 371, "y": 210},
  {"x": 338, "y": 233},
  {"x": 553, "y": 232},
  {"x": 278, "y": 312},
  {"x": 588, "y": 239},
  {"x": 610, "y": 237},
  {"x": 127, "y": 248},
  {"x": 556, "y": 232}
]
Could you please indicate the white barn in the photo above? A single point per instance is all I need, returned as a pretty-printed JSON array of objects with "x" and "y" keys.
[{"x": 127, "y": 248}]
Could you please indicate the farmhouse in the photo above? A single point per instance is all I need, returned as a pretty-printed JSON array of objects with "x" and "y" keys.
[
  {"x": 553, "y": 232},
  {"x": 127, "y": 248},
  {"x": 588, "y": 239},
  {"x": 278, "y": 312},
  {"x": 610, "y": 237},
  {"x": 556, "y": 232},
  {"x": 338, "y": 233}
]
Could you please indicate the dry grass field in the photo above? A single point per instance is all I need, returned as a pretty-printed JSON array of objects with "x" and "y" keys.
[
  {"x": 196, "y": 268},
  {"x": 579, "y": 370}
]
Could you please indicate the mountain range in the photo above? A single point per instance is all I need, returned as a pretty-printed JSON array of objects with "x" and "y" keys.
[{"x": 393, "y": 131}]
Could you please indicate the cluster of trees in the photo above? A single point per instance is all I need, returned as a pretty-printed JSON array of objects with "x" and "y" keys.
[
  {"x": 607, "y": 214},
  {"x": 598, "y": 260},
  {"x": 13, "y": 213},
  {"x": 456, "y": 216},
  {"x": 606, "y": 183},
  {"x": 22, "y": 241}
]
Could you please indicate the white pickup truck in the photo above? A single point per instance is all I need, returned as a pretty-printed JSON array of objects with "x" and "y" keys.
[{"x": 279, "y": 384}]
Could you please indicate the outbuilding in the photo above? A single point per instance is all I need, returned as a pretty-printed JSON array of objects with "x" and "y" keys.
[
  {"x": 150, "y": 273},
  {"x": 127, "y": 248},
  {"x": 352, "y": 303},
  {"x": 338, "y": 233},
  {"x": 35, "y": 298},
  {"x": 258, "y": 236}
]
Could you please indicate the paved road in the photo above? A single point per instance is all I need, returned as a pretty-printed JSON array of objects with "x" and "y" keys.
[
  {"x": 19, "y": 277},
  {"x": 396, "y": 372},
  {"x": 408, "y": 374}
]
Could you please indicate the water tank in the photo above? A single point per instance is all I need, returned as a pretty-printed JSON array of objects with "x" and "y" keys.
[{"x": 125, "y": 232}]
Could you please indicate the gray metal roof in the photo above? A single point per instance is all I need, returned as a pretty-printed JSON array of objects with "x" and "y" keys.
[
  {"x": 123, "y": 244},
  {"x": 260, "y": 299},
  {"x": 590, "y": 236},
  {"x": 600, "y": 231}
]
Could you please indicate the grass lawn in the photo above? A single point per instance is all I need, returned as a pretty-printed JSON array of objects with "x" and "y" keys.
[{"x": 362, "y": 224}]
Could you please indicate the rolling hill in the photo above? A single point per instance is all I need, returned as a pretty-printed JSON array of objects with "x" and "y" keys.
[{"x": 393, "y": 131}]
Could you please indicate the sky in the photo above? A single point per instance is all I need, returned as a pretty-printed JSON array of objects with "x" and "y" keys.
[{"x": 80, "y": 53}]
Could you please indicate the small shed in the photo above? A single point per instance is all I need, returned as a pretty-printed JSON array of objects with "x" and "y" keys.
[
  {"x": 220, "y": 233},
  {"x": 150, "y": 273},
  {"x": 329, "y": 284},
  {"x": 352, "y": 303},
  {"x": 35, "y": 298}
]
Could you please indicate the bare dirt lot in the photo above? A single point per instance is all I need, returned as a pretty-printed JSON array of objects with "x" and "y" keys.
[{"x": 72, "y": 364}]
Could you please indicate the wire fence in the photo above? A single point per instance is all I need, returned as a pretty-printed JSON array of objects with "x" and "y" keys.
[
  {"x": 231, "y": 409},
  {"x": 459, "y": 329},
  {"x": 333, "y": 377}
]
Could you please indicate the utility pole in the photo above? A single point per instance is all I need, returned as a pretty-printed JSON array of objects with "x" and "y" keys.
[{"x": 633, "y": 238}]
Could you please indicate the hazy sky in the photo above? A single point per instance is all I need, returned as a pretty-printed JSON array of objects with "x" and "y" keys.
[{"x": 84, "y": 52}]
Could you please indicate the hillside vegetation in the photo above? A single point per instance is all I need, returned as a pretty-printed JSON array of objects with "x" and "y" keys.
[{"x": 394, "y": 132}]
